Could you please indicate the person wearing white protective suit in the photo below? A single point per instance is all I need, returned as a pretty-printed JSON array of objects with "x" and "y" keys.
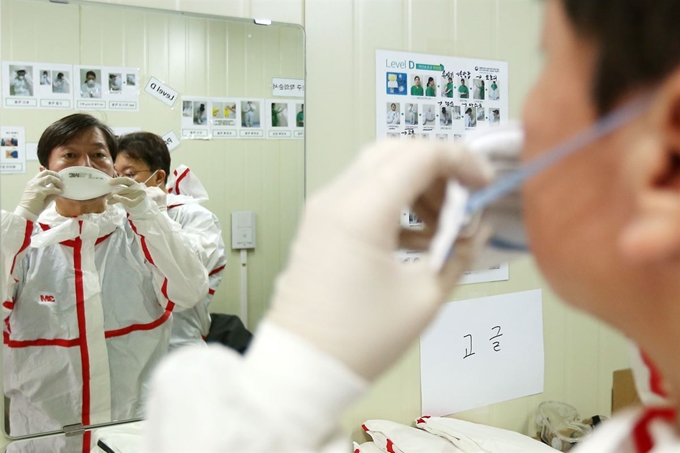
[
  {"x": 412, "y": 114},
  {"x": 88, "y": 288},
  {"x": 393, "y": 115},
  {"x": 144, "y": 157},
  {"x": 60, "y": 84},
  {"x": 91, "y": 88},
  {"x": 248, "y": 114},
  {"x": 343, "y": 312},
  {"x": 21, "y": 84}
]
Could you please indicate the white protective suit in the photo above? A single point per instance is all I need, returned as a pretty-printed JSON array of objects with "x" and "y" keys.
[
  {"x": 412, "y": 112},
  {"x": 429, "y": 116},
  {"x": 22, "y": 86},
  {"x": 87, "y": 305},
  {"x": 249, "y": 113},
  {"x": 470, "y": 121},
  {"x": 392, "y": 117},
  {"x": 185, "y": 192},
  {"x": 60, "y": 85},
  {"x": 91, "y": 89}
]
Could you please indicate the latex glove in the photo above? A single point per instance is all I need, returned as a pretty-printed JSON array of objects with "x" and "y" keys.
[
  {"x": 343, "y": 290},
  {"x": 158, "y": 196},
  {"x": 39, "y": 192},
  {"x": 132, "y": 195}
]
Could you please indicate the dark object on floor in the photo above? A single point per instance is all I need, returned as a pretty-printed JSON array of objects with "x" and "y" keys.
[{"x": 230, "y": 331}]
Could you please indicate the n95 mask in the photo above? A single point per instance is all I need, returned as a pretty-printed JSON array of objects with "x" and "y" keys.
[
  {"x": 502, "y": 148},
  {"x": 84, "y": 183}
]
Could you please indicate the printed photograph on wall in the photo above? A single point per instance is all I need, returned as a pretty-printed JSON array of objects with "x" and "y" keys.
[
  {"x": 250, "y": 114},
  {"x": 20, "y": 80},
  {"x": 393, "y": 114}
]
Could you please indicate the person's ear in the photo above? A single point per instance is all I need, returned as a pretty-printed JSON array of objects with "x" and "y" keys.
[
  {"x": 160, "y": 178},
  {"x": 42, "y": 168},
  {"x": 653, "y": 232}
]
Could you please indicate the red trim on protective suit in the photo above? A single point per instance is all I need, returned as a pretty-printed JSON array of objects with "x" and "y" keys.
[
  {"x": 82, "y": 328},
  {"x": 211, "y": 291},
  {"x": 655, "y": 378},
  {"x": 390, "y": 446},
  {"x": 26, "y": 243},
  {"x": 422, "y": 419},
  {"x": 40, "y": 342},
  {"x": 215, "y": 271},
  {"x": 138, "y": 327},
  {"x": 87, "y": 440},
  {"x": 103, "y": 238},
  {"x": 641, "y": 436},
  {"x": 8, "y": 304},
  {"x": 179, "y": 180},
  {"x": 173, "y": 206},
  {"x": 142, "y": 239}
]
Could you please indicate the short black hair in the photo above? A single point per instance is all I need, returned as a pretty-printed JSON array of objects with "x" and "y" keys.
[
  {"x": 65, "y": 130},
  {"x": 147, "y": 147},
  {"x": 637, "y": 43},
  {"x": 88, "y": 73}
]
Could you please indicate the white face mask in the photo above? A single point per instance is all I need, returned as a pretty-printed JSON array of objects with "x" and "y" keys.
[
  {"x": 90, "y": 83},
  {"x": 20, "y": 77},
  {"x": 84, "y": 183}
]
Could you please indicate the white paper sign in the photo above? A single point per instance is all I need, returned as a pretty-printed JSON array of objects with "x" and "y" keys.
[
  {"x": 12, "y": 150},
  {"x": 292, "y": 88},
  {"x": 161, "y": 91},
  {"x": 32, "y": 151},
  {"x": 171, "y": 140},
  {"x": 482, "y": 351}
]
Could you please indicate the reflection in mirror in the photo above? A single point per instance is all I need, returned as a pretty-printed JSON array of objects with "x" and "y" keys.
[{"x": 98, "y": 285}]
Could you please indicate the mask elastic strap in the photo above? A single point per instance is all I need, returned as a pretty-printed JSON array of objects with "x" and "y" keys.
[
  {"x": 480, "y": 199},
  {"x": 151, "y": 176}
]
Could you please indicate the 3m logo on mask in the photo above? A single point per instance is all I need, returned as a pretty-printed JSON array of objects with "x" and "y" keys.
[{"x": 47, "y": 299}]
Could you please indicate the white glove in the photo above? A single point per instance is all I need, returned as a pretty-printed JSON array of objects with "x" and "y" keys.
[
  {"x": 343, "y": 290},
  {"x": 132, "y": 195},
  {"x": 158, "y": 196},
  {"x": 39, "y": 192}
]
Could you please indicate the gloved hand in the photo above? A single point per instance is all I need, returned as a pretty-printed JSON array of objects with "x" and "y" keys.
[
  {"x": 158, "y": 196},
  {"x": 343, "y": 290},
  {"x": 132, "y": 195},
  {"x": 39, "y": 192}
]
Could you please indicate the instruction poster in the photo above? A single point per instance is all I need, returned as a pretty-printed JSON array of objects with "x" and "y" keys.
[
  {"x": 12, "y": 150},
  {"x": 435, "y": 97},
  {"x": 63, "y": 86},
  {"x": 107, "y": 88},
  {"x": 244, "y": 118}
]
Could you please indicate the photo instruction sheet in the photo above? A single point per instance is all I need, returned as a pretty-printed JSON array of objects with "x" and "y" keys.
[{"x": 435, "y": 97}]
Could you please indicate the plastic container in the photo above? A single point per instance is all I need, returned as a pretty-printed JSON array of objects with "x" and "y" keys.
[{"x": 560, "y": 425}]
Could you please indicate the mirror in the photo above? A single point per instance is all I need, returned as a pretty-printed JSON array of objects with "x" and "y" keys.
[{"x": 231, "y": 92}]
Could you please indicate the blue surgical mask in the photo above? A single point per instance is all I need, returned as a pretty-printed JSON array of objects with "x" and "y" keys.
[{"x": 499, "y": 204}]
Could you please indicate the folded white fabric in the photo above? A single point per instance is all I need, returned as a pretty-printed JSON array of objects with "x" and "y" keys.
[
  {"x": 125, "y": 438},
  {"x": 394, "y": 437},
  {"x": 475, "y": 438},
  {"x": 367, "y": 447}
]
